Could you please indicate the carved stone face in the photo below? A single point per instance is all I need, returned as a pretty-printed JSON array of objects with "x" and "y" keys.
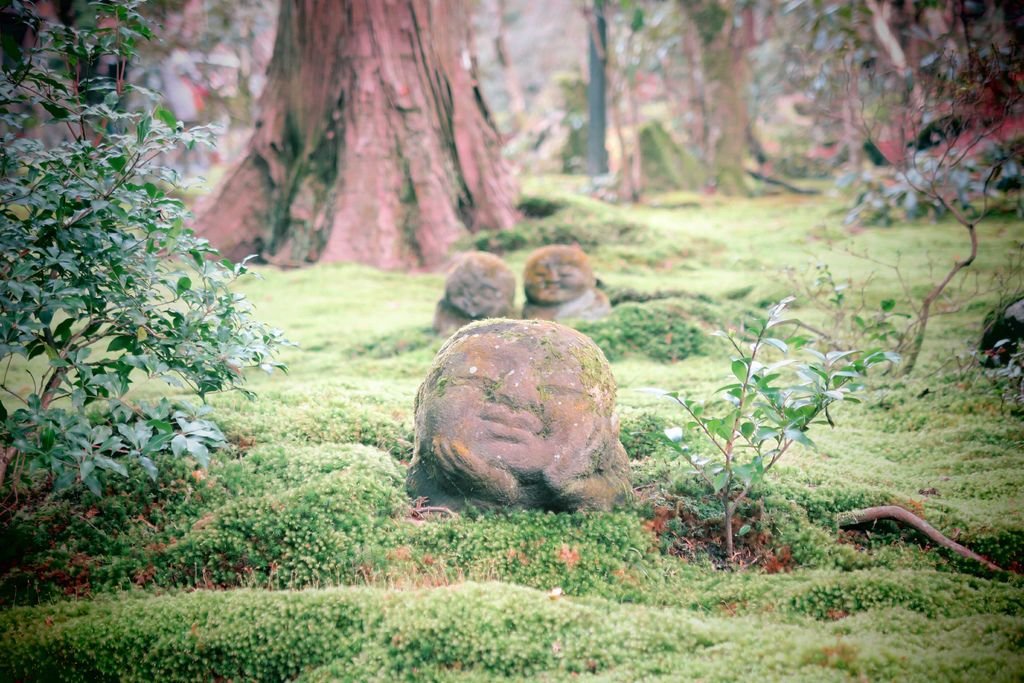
[
  {"x": 556, "y": 274},
  {"x": 480, "y": 286},
  {"x": 519, "y": 414}
]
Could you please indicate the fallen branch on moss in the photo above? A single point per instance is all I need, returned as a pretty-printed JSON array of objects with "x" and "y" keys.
[{"x": 907, "y": 518}]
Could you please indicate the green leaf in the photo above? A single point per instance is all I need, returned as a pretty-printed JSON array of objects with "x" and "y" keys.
[
  {"x": 777, "y": 343},
  {"x": 184, "y": 284},
  {"x": 123, "y": 343},
  {"x": 11, "y": 48},
  {"x": 739, "y": 369},
  {"x": 117, "y": 163},
  {"x": 66, "y": 479},
  {"x": 162, "y": 426},
  {"x": 149, "y": 467},
  {"x": 200, "y": 452},
  {"x": 167, "y": 117},
  {"x": 637, "y": 22},
  {"x": 58, "y": 112},
  {"x": 744, "y": 530},
  {"x": 142, "y": 130},
  {"x": 111, "y": 465},
  {"x": 179, "y": 445},
  {"x": 93, "y": 484},
  {"x": 720, "y": 480},
  {"x": 888, "y": 305},
  {"x": 798, "y": 436}
]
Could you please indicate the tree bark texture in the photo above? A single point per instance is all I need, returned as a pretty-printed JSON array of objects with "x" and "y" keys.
[
  {"x": 725, "y": 76},
  {"x": 373, "y": 143}
]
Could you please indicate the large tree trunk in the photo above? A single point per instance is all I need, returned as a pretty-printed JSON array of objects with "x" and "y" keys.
[
  {"x": 726, "y": 77},
  {"x": 373, "y": 143}
]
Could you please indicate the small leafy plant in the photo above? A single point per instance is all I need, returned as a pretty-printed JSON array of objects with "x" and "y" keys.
[
  {"x": 851, "y": 318},
  {"x": 769, "y": 407},
  {"x": 101, "y": 283}
]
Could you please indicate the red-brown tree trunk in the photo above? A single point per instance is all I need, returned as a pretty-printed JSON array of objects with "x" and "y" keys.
[{"x": 373, "y": 143}]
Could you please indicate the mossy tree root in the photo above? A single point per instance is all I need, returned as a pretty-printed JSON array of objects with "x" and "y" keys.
[{"x": 908, "y": 518}]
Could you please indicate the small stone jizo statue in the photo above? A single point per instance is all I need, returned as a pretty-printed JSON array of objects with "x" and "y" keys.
[
  {"x": 560, "y": 284},
  {"x": 479, "y": 285},
  {"x": 519, "y": 414}
]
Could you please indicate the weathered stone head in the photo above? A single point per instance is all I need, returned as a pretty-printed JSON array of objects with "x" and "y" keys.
[
  {"x": 519, "y": 414},
  {"x": 560, "y": 283},
  {"x": 479, "y": 285}
]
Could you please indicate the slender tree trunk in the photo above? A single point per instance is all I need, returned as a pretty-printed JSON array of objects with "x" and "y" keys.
[
  {"x": 636, "y": 159},
  {"x": 727, "y": 528},
  {"x": 852, "y": 135},
  {"x": 373, "y": 143},
  {"x": 597, "y": 108},
  {"x": 625, "y": 163},
  {"x": 513, "y": 88},
  {"x": 699, "y": 96}
]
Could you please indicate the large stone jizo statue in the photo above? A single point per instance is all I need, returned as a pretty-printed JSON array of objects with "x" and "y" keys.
[
  {"x": 479, "y": 285},
  {"x": 560, "y": 284},
  {"x": 519, "y": 414}
]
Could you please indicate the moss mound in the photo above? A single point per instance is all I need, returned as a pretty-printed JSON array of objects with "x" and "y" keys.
[
  {"x": 560, "y": 220},
  {"x": 397, "y": 343},
  {"x": 663, "y": 331},
  {"x": 477, "y": 632}
]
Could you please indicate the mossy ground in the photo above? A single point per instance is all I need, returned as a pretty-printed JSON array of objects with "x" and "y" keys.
[{"x": 310, "y": 496}]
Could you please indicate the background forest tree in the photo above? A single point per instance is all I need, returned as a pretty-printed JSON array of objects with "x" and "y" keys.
[{"x": 372, "y": 143}]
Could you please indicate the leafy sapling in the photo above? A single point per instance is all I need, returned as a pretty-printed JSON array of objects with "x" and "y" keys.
[{"x": 769, "y": 407}]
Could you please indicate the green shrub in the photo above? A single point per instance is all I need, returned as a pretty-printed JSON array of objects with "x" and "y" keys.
[
  {"x": 101, "y": 283},
  {"x": 666, "y": 164}
]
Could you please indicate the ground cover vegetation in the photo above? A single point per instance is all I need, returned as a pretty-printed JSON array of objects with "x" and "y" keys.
[
  {"x": 292, "y": 551},
  {"x": 304, "y": 516}
]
